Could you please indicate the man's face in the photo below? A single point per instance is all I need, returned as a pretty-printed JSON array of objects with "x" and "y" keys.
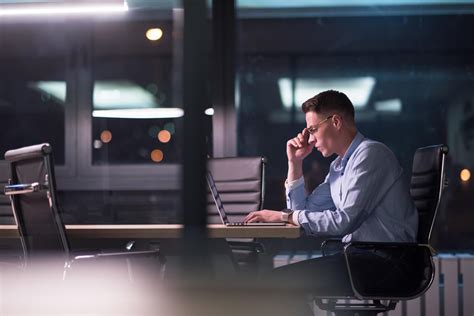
[{"x": 324, "y": 133}]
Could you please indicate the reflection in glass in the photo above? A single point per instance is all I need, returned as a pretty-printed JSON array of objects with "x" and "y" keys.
[
  {"x": 410, "y": 77},
  {"x": 32, "y": 105}
]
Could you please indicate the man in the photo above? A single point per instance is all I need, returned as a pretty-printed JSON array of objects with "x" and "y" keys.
[{"x": 363, "y": 197}]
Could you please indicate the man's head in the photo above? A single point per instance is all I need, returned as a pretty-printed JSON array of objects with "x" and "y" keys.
[
  {"x": 330, "y": 121},
  {"x": 330, "y": 102}
]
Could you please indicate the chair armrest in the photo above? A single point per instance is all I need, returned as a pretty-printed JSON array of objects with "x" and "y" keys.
[
  {"x": 14, "y": 189},
  {"x": 387, "y": 245},
  {"x": 331, "y": 246},
  {"x": 411, "y": 261}
]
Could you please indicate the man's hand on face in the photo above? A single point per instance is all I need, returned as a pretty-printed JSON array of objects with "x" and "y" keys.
[
  {"x": 299, "y": 147},
  {"x": 266, "y": 216}
]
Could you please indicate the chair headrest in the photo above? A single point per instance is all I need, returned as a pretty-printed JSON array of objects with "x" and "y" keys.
[
  {"x": 28, "y": 152},
  {"x": 427, "y": 158}
]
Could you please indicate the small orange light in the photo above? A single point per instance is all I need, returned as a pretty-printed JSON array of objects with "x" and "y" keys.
[
  {"x": 106, "y": 136},
  {"x": 465, "y": 175},
  {"x": 164, "y": 136},
  {"x": 156, "y": 155}
]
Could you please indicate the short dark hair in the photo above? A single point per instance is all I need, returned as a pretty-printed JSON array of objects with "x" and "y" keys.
[{"x": 328, "y": 102}]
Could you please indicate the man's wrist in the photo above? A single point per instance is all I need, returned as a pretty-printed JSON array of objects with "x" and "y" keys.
[{"x": 286, "y": 215}]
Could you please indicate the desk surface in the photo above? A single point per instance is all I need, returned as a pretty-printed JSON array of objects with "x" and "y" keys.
[{"x": 165, "y": 231}]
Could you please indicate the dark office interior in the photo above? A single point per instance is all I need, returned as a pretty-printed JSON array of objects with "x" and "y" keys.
[{"x": 122, "y": 106}]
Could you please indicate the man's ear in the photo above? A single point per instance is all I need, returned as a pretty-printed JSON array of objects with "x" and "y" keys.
[{"x": 337, "y": 121}]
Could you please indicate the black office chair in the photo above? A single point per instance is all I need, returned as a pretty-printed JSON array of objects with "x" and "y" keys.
[
  {"x": 10, "y": 248},
  {"x": 241, "y": 185},
  {"x": 32, "y": 190},
  {"x": 6, "y": 214},
  {"x": 428, "y": 181}
]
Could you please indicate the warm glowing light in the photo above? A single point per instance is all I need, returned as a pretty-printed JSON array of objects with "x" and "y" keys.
[
  {"x": 465, "y": 175},
  {"x": 156, "y": 155},
  {"x": 154, "y": 34},
  {"x": 106, "y": 136},
  {"x": 164, "y": 136}
]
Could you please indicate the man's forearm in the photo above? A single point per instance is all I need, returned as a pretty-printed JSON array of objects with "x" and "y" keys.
[{"x": 295, "y": 170}]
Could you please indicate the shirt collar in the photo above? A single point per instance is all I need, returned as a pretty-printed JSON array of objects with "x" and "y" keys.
[{"x": 352, "y": 147}]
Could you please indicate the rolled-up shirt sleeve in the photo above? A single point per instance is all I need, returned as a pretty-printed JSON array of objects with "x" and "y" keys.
[
  {"x": 298, "y": 201},
  {"x": 361, "y": 190}
]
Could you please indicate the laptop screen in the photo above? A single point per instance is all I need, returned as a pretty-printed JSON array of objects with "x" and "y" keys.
[{"x": 217, "y": 199}]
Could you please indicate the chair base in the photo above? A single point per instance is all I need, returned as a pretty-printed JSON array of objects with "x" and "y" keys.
[{"x": 355, "y": 309}]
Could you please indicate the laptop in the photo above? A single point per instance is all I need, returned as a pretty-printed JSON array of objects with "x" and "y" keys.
[{"x": 220, "y": 207}]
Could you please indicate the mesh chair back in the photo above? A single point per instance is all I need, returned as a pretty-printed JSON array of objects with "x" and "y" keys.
[
  {"x": 427, "y": 184},
  {"x": 41, "y": 229},
  {"x": 240, "y": 182}
]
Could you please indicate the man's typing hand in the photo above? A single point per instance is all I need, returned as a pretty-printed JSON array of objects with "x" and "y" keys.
[{"x": 266, "y": 216}]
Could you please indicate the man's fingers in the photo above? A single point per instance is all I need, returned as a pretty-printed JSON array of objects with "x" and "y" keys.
[
  {"x": 252, "y": 220},
  {"x": 298, "y": 142},
  {"x": 306, "y": 135},
  {"x": 250, "y": 217},
  {"x": 293, "y": 143},
  {"x": 302, "y": 139}
]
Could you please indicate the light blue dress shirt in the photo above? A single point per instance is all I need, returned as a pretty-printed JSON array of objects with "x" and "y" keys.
[{"x": 363, "y": 198}]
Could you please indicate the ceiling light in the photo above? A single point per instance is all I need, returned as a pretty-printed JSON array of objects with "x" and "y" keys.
[
  {"x": 122, "y": 95},
  {"x": 154, "y": 34},
  {"x": 84, "y": 7},
  {"x": 391, "y": 105},
  {"x": 154, "y": 113},
  {"x": 358, "y": 89},
  {"x": 110, "y": 94},
  {"x": 280, "y": 4},
  {"x": 209, "y": 111},
  {"x": 285, "y": 92}
]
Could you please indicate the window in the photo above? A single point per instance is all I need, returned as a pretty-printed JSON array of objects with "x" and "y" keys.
[
  {"x": 33, "y": 89},
  {"x": 408, "y": 74}
]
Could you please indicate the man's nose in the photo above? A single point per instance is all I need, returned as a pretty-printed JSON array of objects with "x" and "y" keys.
[{"x": 312, "y": 139}]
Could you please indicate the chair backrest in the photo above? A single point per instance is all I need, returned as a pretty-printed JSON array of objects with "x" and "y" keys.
[
  {"x": 32, "y": 190},
  {"x": 428, "y": 181},
  {"x": 241, "y": 185}
]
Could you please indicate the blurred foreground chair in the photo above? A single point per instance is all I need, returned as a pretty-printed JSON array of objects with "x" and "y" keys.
[
  {"x": 428, "y": 182},
  {"x": 10, "y": 248},
  {"x": 32, "y": 190},
  {"x": 6, "y": 215},
  {"x": 241, "y": 185}
]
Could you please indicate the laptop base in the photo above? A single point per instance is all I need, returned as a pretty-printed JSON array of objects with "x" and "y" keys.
[{"x": 255, "y": 224}]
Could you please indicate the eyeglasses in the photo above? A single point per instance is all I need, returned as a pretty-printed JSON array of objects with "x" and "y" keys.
[{"x": 314, "y": 128}]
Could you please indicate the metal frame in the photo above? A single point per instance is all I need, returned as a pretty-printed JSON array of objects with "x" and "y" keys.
[{"x": 442, "y": 186}]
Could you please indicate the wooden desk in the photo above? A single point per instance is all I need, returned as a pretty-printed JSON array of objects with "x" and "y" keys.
[{"x": 164, "y": 231}]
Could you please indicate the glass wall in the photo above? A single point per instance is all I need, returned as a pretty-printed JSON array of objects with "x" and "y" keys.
[
  {"x": 105, "y": 91},
  {"x": 134, "y": 115},
  {"x": 33, "y": 86},
  {"x": 408, "y": 72}
]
